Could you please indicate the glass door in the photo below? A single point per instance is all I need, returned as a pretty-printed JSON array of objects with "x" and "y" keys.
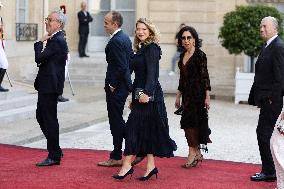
[{"x": 98, "y": 9}]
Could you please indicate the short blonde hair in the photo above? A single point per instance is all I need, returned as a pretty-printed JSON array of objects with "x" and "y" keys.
[{"x": 154, "y": 33}]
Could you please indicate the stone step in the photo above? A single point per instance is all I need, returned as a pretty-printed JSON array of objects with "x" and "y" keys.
[
  {"x": 85, "y": 71},
  {"x": 27, "y": 112},
  {"x": 96, "y": 58},
  {"x": 18, "y": 102},
  {"x": 12, "y": 93},
  {"x": 99, "y": 83},
  {"x": 81, "y": 115},
  {"x": 94, "y": 61},
  {"x": 92, "y": 77},
  {"x": 87, "y": 65}
]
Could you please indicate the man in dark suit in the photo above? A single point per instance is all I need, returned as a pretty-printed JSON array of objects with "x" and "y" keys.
[
  {"x": 267, "y": 93},
  {"x": 84, "y": 18},
  {"x": 49, "y": 83},
  {"x": 117, "y": 82}
]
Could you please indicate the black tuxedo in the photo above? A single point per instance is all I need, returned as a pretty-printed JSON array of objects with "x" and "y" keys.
[
  {"x": 267, "y": 93},
  {"x": 83, "y": 31},
  {"x": 49, "y": 83},
  {"x": 118, "y": 52}
]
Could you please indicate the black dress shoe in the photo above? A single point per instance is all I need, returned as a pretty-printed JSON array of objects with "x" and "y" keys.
[
  {"x": 129, "y": 172},
  {"x": 154, "y": 171},
  {"x": 86, "y": 55},
  {"x": 60, "y": 98},
  {"x": 263, "y": 177},
  {"x": 3, "y": 89},
  {"x": 48, "y": 162}
]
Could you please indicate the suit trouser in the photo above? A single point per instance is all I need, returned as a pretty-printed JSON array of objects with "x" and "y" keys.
[
  {"x": 266, "y": 122},
  {"x": 46, "y": 115},
  {"x": 115, "y": 105},
  {"x": 82, "y": 44},
  {"x": 2, "y": 74}
]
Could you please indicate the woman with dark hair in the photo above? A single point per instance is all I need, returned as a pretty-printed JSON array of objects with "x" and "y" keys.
[
  {"x": 194, "y": 87},
  {"x": 147, "y": 130}
]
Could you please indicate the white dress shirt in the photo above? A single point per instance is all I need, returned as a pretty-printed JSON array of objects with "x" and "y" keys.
[
  {"x": 270, "y": 40},
  {"x": 115, "y": 32}
]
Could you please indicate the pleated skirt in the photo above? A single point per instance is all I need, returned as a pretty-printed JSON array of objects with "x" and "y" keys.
[{"x": 147, "y": 131}]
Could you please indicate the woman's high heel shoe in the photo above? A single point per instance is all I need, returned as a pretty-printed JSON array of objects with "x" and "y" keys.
[
  {"x": 189, "y": 165},
  {"x": 153, "y": 172},
  {"x": 129, "y": 172},
  {"x": 194, "y": 163},
  {"x": 199, "y": 157}
]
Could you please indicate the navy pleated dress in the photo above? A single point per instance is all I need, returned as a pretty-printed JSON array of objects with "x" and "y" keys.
[{"x": 147, "y": 130}]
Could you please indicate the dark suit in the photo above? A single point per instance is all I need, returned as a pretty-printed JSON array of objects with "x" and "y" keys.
[
  {"x": 83, "y": 31},
  {"x": 118, "y": 52},
  {"x": 49, "y": 83},
  {"x": 267, "y": 93}
]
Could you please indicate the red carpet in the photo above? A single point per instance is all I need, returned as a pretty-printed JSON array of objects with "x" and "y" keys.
[{"x": 78, "y": 170}]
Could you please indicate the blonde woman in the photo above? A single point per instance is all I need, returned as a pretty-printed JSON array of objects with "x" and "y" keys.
[{"x": 147, "y": 130}]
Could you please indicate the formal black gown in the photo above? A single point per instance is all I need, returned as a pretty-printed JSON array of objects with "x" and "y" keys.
[{"x": 147, "y": 130}]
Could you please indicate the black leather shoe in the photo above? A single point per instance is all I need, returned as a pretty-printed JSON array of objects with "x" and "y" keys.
[
  {"x": 48, "y": 162},
  {"x": 129, "y": 172},
  {"x": 86, "y": 55},
  {"x": 153, "y": 172},
  {"x": 263, "y": 177},
  {"x": 3, "y": 89},
  {"x": 60, "y": 98}
]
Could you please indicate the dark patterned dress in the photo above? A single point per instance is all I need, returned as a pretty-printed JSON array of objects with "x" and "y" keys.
[
  {"x": 193, "y": 83},
  {"x": 147, "y": 130}
]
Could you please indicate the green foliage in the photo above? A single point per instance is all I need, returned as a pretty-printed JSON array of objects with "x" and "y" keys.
[{"x": 240, "y": 30}]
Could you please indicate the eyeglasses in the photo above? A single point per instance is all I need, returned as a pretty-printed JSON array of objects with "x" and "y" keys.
[
  {"x": 47, "y": 20},
  {"x": 186, "y": 37}
]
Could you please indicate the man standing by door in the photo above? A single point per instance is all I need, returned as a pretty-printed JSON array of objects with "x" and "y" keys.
[
  {"x": 117, "y": 83},
  {"x": 84, "y": 18}
]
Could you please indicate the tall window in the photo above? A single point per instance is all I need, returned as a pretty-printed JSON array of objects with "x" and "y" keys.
[{"x": 22, "y": 11}]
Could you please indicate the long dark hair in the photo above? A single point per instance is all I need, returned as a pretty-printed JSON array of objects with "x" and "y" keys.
[{"x": 198, "y": 42}]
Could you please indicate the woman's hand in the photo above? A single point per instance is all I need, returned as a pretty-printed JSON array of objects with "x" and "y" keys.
[
  {"x": 130, "y": 105},
  {"x": 177, "y": 103},
  {"x": 207, "y": 102},
  {"x": 143, "y": 98}
]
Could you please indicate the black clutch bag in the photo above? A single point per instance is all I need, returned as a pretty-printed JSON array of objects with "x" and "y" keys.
[
  {"x": 139, "y": 92},
  {"x": 179, "y": 111}
]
